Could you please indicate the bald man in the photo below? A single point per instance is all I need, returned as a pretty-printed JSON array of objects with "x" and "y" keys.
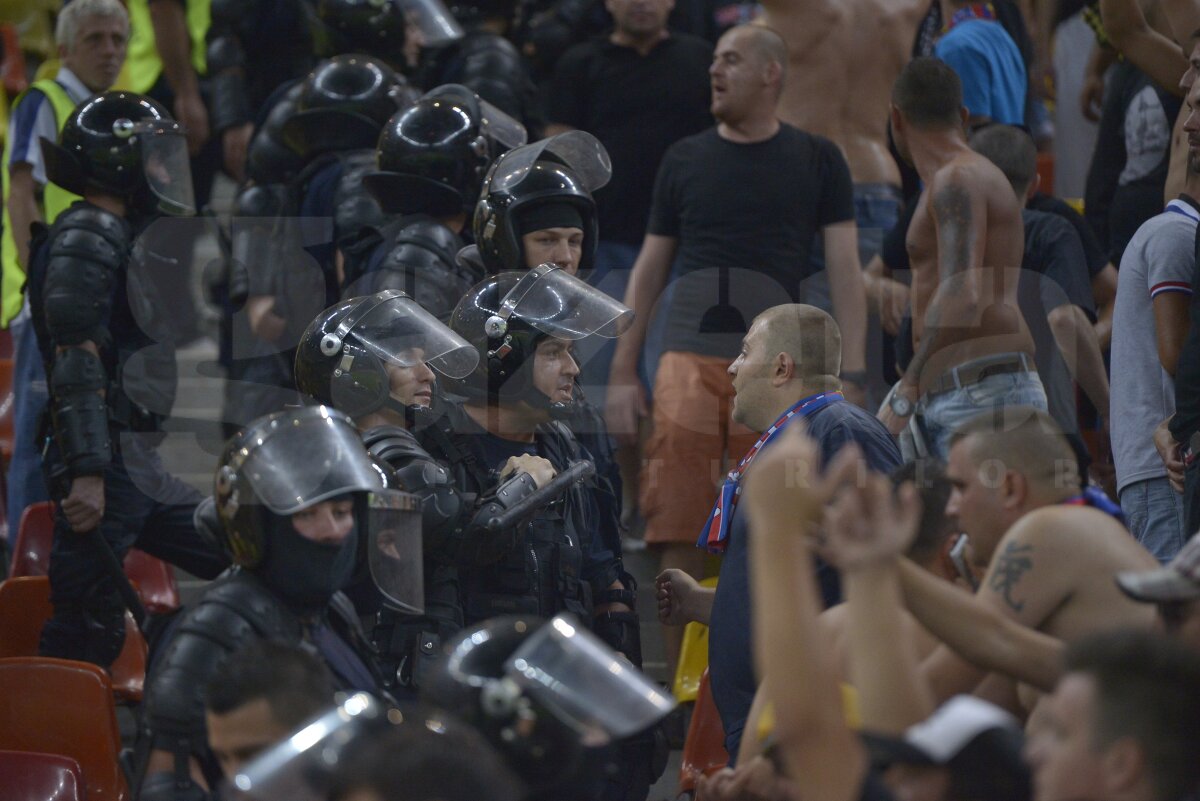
[
  {"x": 787, "y": 370},
  {"x": 736, "y": 210}
]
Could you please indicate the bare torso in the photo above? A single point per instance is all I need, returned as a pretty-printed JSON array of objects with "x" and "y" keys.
[
  {"x": 844, "y": 57},
  {"x": 996, "y": 326}
]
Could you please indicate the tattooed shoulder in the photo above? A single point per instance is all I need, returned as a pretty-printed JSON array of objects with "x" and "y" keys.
[{"x": 1011, "y": 565}]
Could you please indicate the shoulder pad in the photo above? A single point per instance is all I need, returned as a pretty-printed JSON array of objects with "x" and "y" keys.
[
  {"x": 483, "y": 43},
  {"x": 269, "y": 160},
  {"x": 423, "y": 230},
  {"x": 261, "y": 200},
  {"x": 354, "y": 208},
  {"x": 91, "y": 232},
  {"x": 384, "y": 440},
  {"x": 233, "y": 611}
]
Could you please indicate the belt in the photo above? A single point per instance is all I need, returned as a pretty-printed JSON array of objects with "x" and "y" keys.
[{"x": 977, "y": 370}]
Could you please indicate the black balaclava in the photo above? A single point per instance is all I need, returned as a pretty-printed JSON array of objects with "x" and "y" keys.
[
  {"x": 551, "y": 214},
  {"x": 305, "y": 573}
]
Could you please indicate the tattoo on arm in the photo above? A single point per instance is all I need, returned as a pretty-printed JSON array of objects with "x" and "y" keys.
[
  {"x": 955, "y": 229},
  {"x": 1015, "y": 562},
  {"x": 956, "y": 233}
]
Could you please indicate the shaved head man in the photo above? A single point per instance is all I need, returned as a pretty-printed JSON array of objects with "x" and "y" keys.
[{"x": 787, "y": 369}]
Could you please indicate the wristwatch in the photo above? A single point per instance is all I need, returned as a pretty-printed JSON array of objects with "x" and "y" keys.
[{"x": 900, "y": 405}]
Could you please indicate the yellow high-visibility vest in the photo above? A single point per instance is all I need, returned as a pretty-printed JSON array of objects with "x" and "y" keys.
[
  {"x": 55, "y": 200},
  {"x": 142, "y": 64}
]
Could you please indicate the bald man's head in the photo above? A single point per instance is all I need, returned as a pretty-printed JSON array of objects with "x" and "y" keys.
[{"x": 767, "y": 46}]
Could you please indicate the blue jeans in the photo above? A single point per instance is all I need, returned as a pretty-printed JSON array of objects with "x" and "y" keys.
[
  {"x": 26, "y": 484},
  {"x": 1154, "y": 513},
  {"x": 946, "y": 411}
]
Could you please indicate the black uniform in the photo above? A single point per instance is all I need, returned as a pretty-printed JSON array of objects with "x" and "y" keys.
[{"x": 90, "y": 282}]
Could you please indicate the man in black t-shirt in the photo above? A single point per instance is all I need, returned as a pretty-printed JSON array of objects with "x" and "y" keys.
[
  {"x": 638, "y": 90},
  {"x": 736, "y": 208}
]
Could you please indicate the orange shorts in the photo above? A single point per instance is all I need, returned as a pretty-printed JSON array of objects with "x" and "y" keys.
[{"x": 693, "y": 446}]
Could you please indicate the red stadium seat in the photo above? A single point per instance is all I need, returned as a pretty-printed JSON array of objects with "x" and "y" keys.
[
  {"x": 25, "y": 607},
  {"x": 55, "y": 706},
  {"x": 704, "y": 749},
  {"x": 154, "y": 579},
  {"x": 27, "y": 776}
]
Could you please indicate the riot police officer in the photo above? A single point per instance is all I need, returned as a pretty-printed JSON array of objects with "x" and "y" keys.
[
  {"x": 432, "y": 158},
  {"x": 524, "y": 326},
  {"x": 375, "y": 358},
  {"x": 297, "y": 500},
  {"x": 550, "y": 698},
  {"x": 108, "y": 352},
  {"x": 314, "y": 149}
]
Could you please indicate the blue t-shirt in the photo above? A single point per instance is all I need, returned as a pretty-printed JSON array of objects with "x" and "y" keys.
[
  {"x": 730, "y": 657},
  {"x": 990, "y": 67}
]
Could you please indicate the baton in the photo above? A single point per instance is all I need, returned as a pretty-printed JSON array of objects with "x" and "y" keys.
[
  {"x": 543, "y": 495},
  {"x": 116, "y": 572}
]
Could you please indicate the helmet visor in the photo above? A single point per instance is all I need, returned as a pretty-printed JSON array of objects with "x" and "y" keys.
[
  {"x": 167, "y": 170},
  {"x": 293, "y": 461},
  {"x": 501, "y": 128},
  {"x": 581, "y": 152},
  {"x": 394, "y": 549},
  {"x": 395, "y": 328},
  {"x": 431, "y": 21},
  {"x": 585, "y": 683},
  {"x": 301, "y": 767},
  {"x": 560, "y": 305}
]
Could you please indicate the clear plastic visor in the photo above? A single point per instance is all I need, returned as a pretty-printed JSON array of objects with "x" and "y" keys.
[{"x": 397, "y": 329}]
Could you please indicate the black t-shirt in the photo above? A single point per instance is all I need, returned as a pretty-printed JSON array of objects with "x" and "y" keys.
[
  {"x": 744, "y": 216},
  {"x": 1093, "y": 251},
  {"x": 637, "y": 107},
  {"x": 1187, "y": 374}
]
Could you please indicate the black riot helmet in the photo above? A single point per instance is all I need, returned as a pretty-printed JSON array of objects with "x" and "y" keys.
[
  {"x": 289, "y": 461},
  {"x": 343, "y": 105},
  {"x": 127, "y": 145},
  {"x": 548, "y": 694},
  {"x": 561, "y": 169},
  {"x": 342, "y": 357},
  {"x": 505, "y": 316},
  {"x": 432, "y": 156}
]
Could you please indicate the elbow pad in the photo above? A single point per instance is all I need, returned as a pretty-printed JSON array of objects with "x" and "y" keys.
[
  {"x": 481, "y": 544},
  {"x": 80, "y": 413},
  {"x": 230, "y": 104}
]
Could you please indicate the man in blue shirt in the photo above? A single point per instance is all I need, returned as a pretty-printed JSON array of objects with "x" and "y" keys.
[
  {"x": 987, "y": 61},
  {"x": 787, "y": 369}
]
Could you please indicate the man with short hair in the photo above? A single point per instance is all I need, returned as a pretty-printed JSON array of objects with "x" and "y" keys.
[
  {"x": 1150, "y": 327},
  {"x": 719, "y": 198},
  {"x": 92, "y": 36},
  {"x": 1123, "y": 723},
  {"x": 973, "y": 350},
  {"x": 263, "y": 694},
  {"x": 1053, "y": 292},
  {"x": 787, "y": 370}
]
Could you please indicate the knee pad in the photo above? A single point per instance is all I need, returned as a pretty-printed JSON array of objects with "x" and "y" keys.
[{"x": 104, "y": 622}]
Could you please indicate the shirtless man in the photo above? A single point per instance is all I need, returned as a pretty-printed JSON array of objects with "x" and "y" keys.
[
  {"x": 973, "y": 350},
  {"x": 1047, "y": 561},
  {"x": 843, "y": 57}
]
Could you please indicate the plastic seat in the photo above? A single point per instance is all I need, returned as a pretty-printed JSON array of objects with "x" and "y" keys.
[
  {"x": 25, "y": 607},
  {"x": 35, "y": 534},
  {"x": 154, "y": 578},
  {"x": 704, "y": 749},
  {"x": 55, "y": 706},
  {"x": 27, "y": 776},
  {"x": 693, "y": 657}
]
